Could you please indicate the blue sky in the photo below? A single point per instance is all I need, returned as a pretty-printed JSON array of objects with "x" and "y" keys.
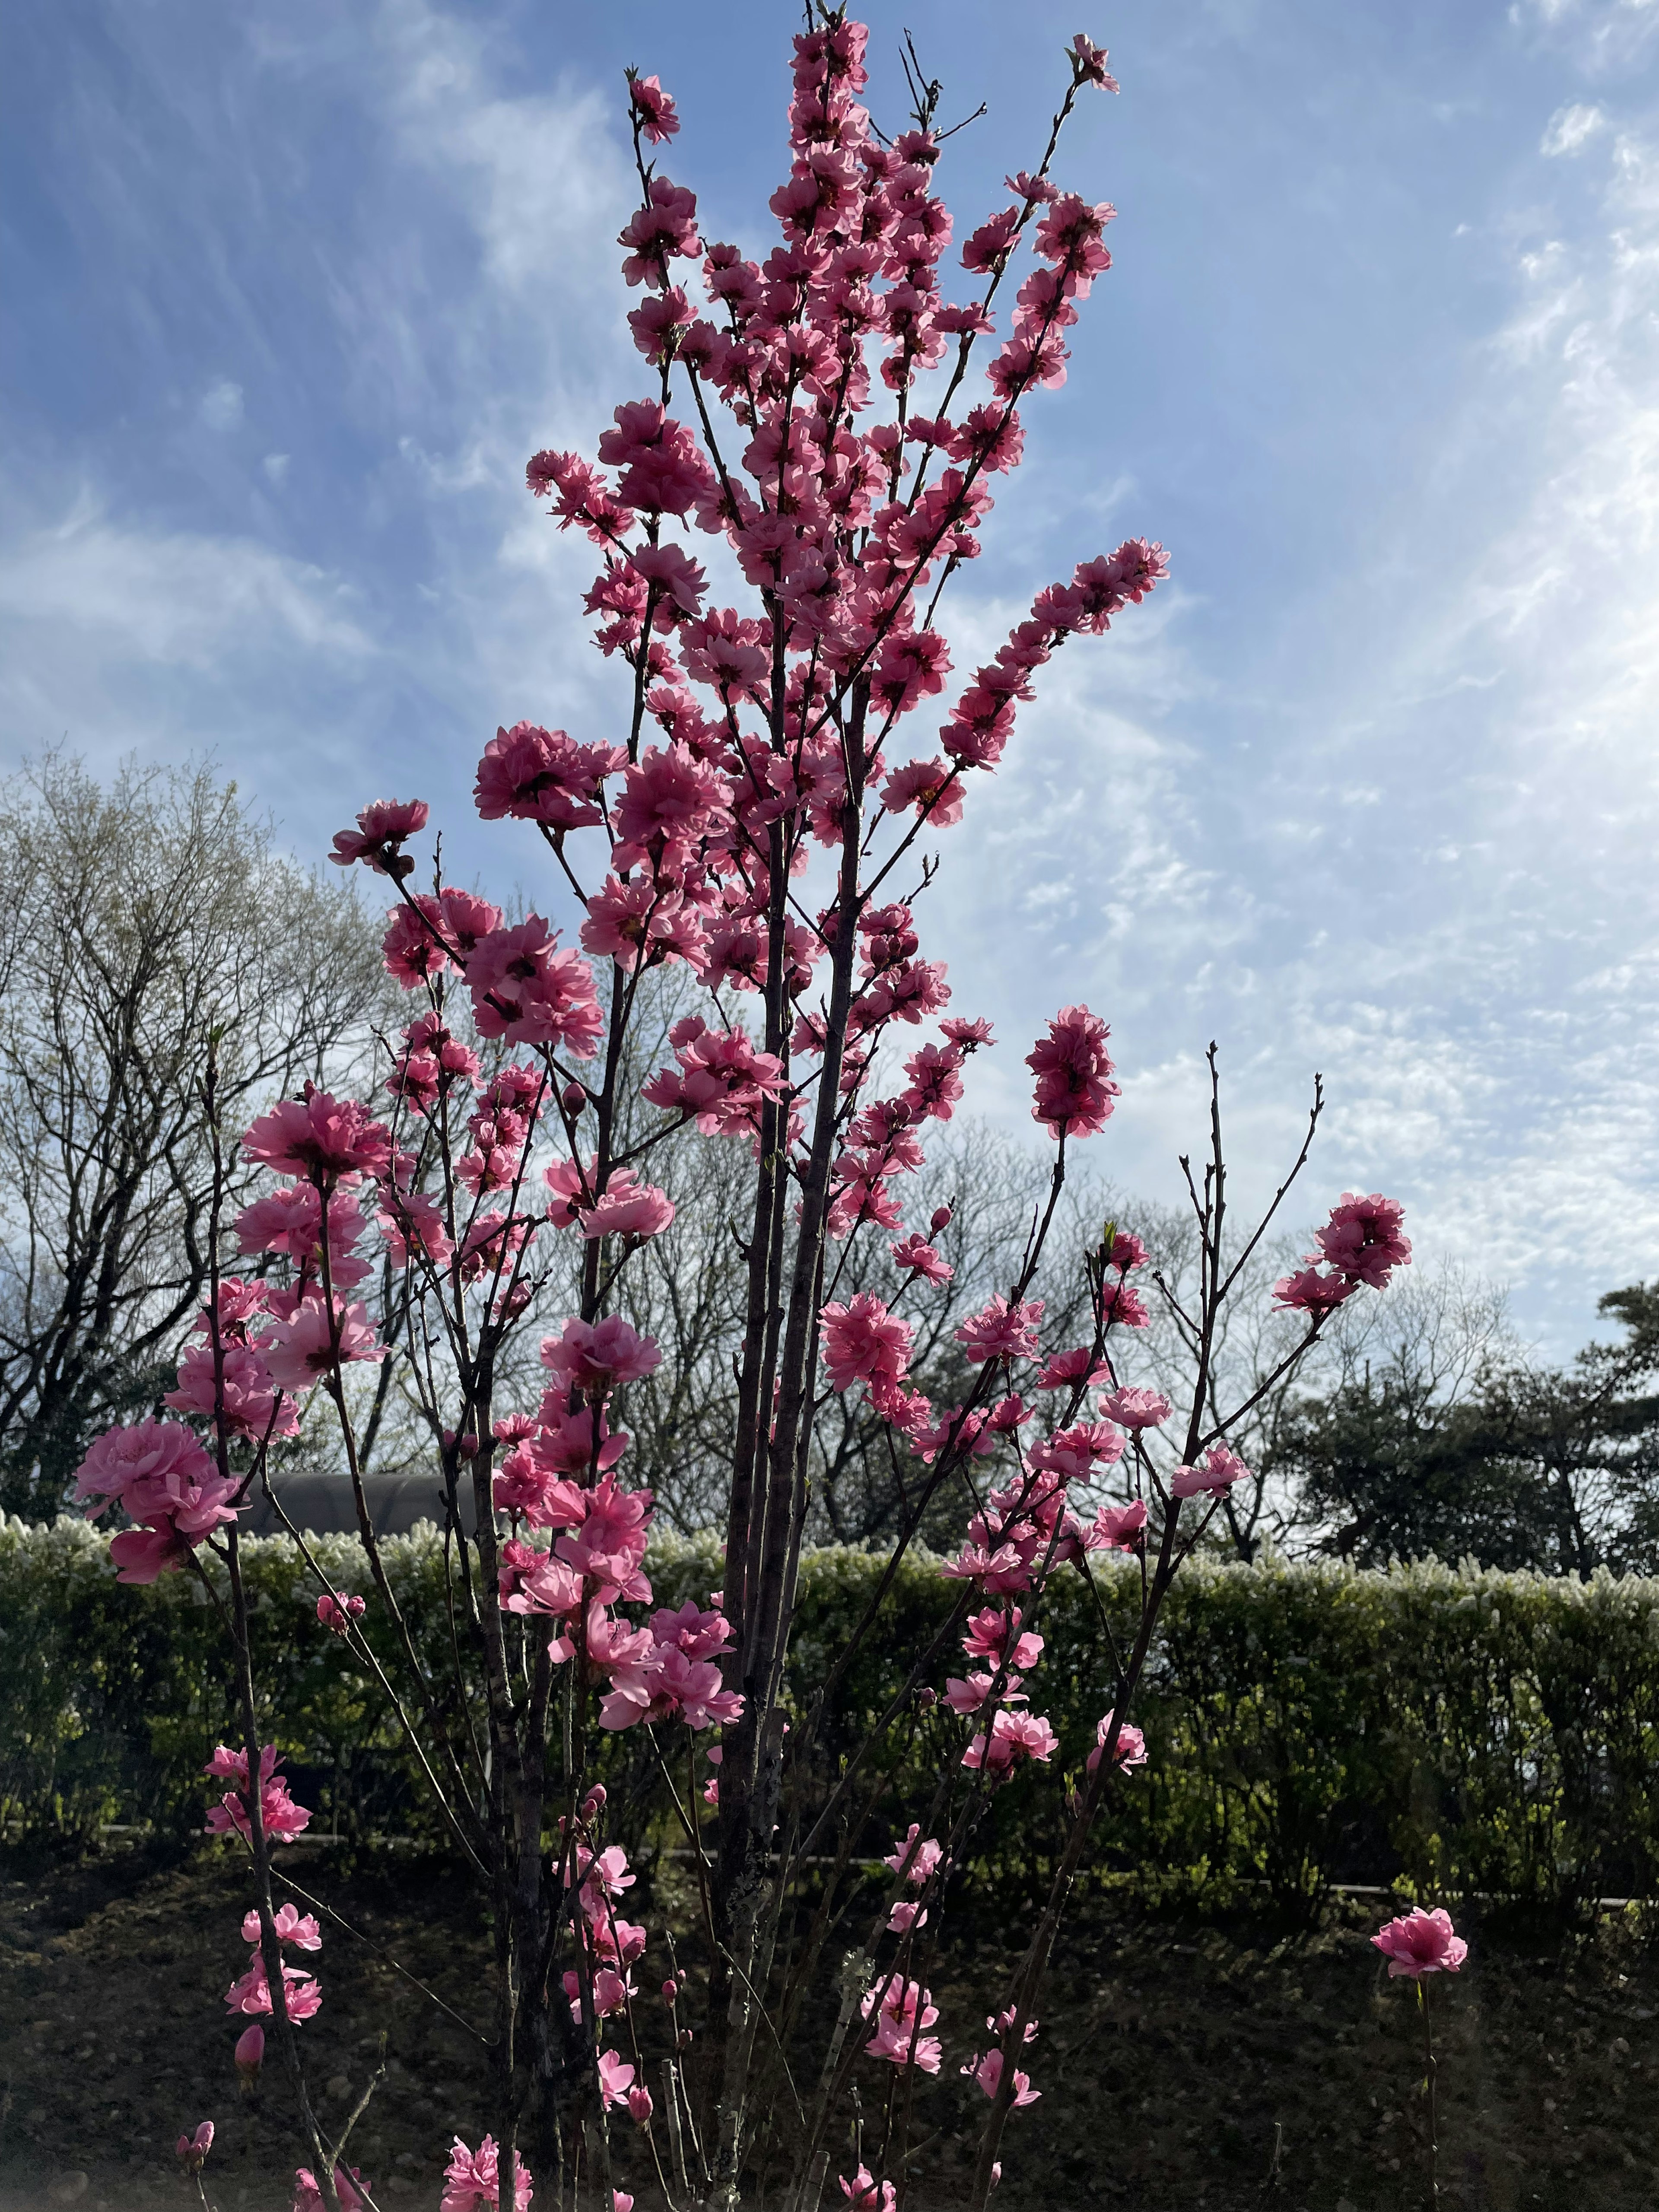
[{"x": 294, "y": 290}]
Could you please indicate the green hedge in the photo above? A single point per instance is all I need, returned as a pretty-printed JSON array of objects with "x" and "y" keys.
[{"x": 1455, "y": 1731}]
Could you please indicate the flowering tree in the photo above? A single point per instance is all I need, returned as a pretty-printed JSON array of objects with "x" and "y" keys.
[{"x": 761, "y": 821}]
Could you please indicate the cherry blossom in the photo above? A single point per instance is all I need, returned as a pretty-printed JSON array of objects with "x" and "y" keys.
[
  {"x": 1136, "y": 1408},
  {"x": 1215, "y": 1472},
  {"x": 1421, "y": 1943},
  {"x": 1130, "y": 1750},
  {"x": 473, "y": 2180},
  {"x": 349, "y": 2187}
]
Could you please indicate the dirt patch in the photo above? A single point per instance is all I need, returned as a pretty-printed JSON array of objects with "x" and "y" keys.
[{"x": 1182, "y": 2063}]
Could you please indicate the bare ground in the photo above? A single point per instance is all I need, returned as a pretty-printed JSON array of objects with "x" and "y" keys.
[{"x": 1203, "y": 2063}]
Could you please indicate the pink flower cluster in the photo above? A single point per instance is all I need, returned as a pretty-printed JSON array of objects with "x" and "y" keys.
[
  {"x": 159, "y": 1475},
  {"x": 1362, "y": 1242},
  {"x": 302, "y": 1996},
  {"x": 472, "y": 2180},
  {"x": 280, "y": 1817},
  {"x": 1074, "y": 1088},
  {"x": 900, "y": 2011}
]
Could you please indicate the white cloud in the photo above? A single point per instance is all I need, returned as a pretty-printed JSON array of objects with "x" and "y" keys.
[
  {"x": 177, "y": 598},
  {"x": 221, "y": 406},
  {"x": 1571, "y": 128}
]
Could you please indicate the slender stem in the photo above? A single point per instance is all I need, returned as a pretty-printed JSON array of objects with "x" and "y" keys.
[{"x": 1429, "y": 2092}]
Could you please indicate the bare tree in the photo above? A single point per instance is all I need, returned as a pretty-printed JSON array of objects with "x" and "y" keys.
[{"x": 135, "y": 923}]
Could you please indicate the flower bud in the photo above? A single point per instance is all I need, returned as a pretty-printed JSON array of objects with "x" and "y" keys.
[
  {"x": 193, "y": 2150},
  {"x": 573, "y": 1099},
  {"x": 250, "y": 2055},
  {"x": 926, "y": 1699},
  {"x": 670, "y": 1989},
  {"x": 594, "y": 1803},
  {"x": 941, "y": 1220},
  {"x": 638, "y": 2103}
]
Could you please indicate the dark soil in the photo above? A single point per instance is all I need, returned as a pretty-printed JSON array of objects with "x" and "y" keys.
[{"x": 1182, "y": 2063}]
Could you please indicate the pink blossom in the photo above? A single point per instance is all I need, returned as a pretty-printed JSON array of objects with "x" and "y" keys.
[
  {"x": 665, "y": 227},
  {"x": 1136, "y": 1409},
  {"x": 596, "y": 1356},
  {"x": 250, "y": 2055},
  {"x": 639, "y": 2104},
  {"x": 864, "y": 2193},
  {"x": 1131, "y": 1749},
  {"x": 653, "y": 109},
  {"x": 863, "y": 1342},
  {"x": 665, "y": 1684},
  {"x": 292, "y": 1926},
  {"x": 472, "y": 2180},
  {"x": 1421, "y": 1943},
  {"x": 916, "y": 1857},
  {"x": 543, "y": 775},
  {"x": 998, "y": 1331},
  {"x": 308, "y": 2197},
  {"x": 532, "y": 1582},
  {"x": 935, "y": 1085},
  {"x": 302, "y": 1351},
  {"x": 1064, "y": 1369},
  {"x": 916, "y": 1257},
  {"x": 627, "y": 1207},
  {"x": 1074, "y": 1088},
  {"x": 905, "y": 1916},
  {"x": 1120, "y": 1526},
  {"x": 1217, "y": 1472},
  {"x": 615, "y": 2076},
  {"x": 380, "y": 830},
  {"x": 412, "y": 1221},
  {"x": 699, "y": 1634},
  {"x": 1091, "y": 63},
  {"x": 526, "y": 989},
  {"x": 932, "y": 787},
  {"x": 193, "y": 2150},
  {"x": 1014, "y": 1736},
  {"x": 1363, "y": 1239},
  {"x": 721, "y": 1079},
  {"x": 987, "y": 2073},
  {"x": 1309, "y": 1291},
  {"x": 282, "y": 1818},
  {"x": 987, "y": 1637},
  {"x": 148, "y": 1454},
  {"x": 902, "y": 2009},
  {"x": 1121, "y": 1306},
  {"x": 324, "y": 1139},
  {"x": 339, "y": 1613},
  {"x": 302, "y": 1995},
  {"x": 242, "y": 1392}
]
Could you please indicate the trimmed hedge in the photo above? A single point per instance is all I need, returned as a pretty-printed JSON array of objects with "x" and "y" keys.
[{"x": 1450, "y": 1730}]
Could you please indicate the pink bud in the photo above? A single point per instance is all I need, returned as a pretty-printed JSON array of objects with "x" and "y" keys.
[
  {"x": 638, "y": 2103},
  {"x": 469, "y": 1446},
  {"x": 193, "y": 2150},
  {"x": 670, "y": 1991},
  {"x": 926, "y": 1699},
  {"x": 594, "y": 1803},
  {"x": 573, "y": 1099},
  {"x": 941, "y": 1220},
  {"x": 250, "y": 2055}
]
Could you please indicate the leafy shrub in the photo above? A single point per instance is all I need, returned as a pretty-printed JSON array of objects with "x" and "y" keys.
[{"x": 1452, "y": 1730}]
